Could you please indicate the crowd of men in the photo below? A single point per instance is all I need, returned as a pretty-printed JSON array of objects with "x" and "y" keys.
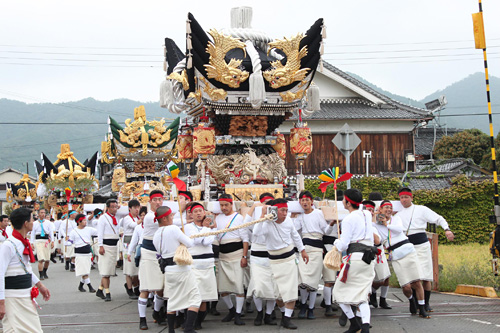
[{"x": 277, "y": 262}]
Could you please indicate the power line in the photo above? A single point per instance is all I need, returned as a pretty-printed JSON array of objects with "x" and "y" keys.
[
  {"x": 410, "y": 43},
  {"x": 415, "y": 56},
  {"x": 67, "y": 65},
  {"x": 414, "y": 50},
  {"x": 19, "y": 123},
  {"x": 49, "y": 143},
  {"x": 400, "y": 62},
  {"x": 84, "y": 60}
]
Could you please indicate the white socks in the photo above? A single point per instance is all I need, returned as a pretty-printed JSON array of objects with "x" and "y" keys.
[
  {"x": 421, "y": 302},
  {"x": 312, "y": 298},
  {"x": 141, "y": 305},
  {"x": 87, "y": 280},
  {"x": 364, "y": 308},
  {"x": 239, "y": 304},
  {"x": 270, "y": 307},
  {"x": 288, "y": 313},
  {"x": 303, "y": 295},
  {"x": 327, "y": 295},
  {"x": 383, "y": 291},
  {"x": 228, "y": 301},
  {"x": 347, "y": 310},
  {"x": 158, "y": 303},
  {"x": 258, "y": 303}
]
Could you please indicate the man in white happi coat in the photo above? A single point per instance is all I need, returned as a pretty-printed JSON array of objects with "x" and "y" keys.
[
  {"x": 4, "y": 228},
  {"x": 128, "y": 224},
  {"x": 415, "y": 219},
  {"x": 42, "y": 239},
  {"x": 65, "y": 228}
]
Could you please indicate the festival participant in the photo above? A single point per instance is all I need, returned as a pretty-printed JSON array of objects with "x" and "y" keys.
[
  {"x": 415, "y": 219},
  {"x": 262, "y": 286},
  {"x": 281, "y": 238},
  {"x": 42, "y": 238},
  {"x": 329, "y": 275},
  {"x": 356, "y": 276},
  {"x": 4, "y": 223},
  {"x": 17, "y": 311},
  {"x": 129, "y": 223},
  {"x": 203, "y": 259},
  {"x": 68, "y": 249},
  {"x": 81, "y": 237},
  {"x": 107, "y": 238},
  {"x": 312, "y": 226},
  {"x": 232, "y": 259},
  {"x": 58, "y": 243},
  {"x": 95, "y": 245},
  {"x": 133, "y": 254},
  {"x": 404, "y": 257},
  {"x": 382, "y": 271},
  {"x": 180, "y": 282},
  {"x": 150, "y": 275},
  {"x": 185, "y": 197}
]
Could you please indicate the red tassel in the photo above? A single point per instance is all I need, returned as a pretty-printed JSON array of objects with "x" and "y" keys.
[{"x": 344, "y": 274}]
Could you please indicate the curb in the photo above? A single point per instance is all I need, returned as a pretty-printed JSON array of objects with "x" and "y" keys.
[{"x": 476, "y": 291}]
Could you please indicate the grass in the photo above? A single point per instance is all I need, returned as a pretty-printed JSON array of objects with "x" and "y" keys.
[{"x": 463, "y": 264}]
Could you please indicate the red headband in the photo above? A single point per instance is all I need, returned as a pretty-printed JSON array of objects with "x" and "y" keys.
[
  {"x": 196, "y": 205},
  {"x": 167, "y": 213},
  {"x": 406, "y": 193},
  {"x": 80, "y": 219},
  {"x": 351, "y": 201},
  {"x": 369, "y": 205},
  {"x": 226, "y": 199},
  {"x": 156, "y": 195},
  {"x": 185, "y": 196},
  {"x": 266, "y": 198},
  {"x": 307, "y": 196},
  {"x": 280, "y": 205},
  {"x": 386, "y": 204}
]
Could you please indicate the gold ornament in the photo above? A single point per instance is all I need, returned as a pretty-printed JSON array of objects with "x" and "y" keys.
[
  {"x": 301, "y": 140},
  {"x": 218, "y": 69},
  {"x": 280, "y": 146},
  {"x": 213, "y": 93},
  {"x": 279, "y": 75},
  {"x": 181, "y": 78},
  {"x": 289, "y": 96}
]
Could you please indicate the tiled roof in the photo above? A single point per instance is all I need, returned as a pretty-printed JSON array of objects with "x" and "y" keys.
[
  {"x": 424, "y": 138},
  {"x": 431, "y": 183}
]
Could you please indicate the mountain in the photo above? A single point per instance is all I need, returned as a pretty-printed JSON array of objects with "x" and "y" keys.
[
  {"x": 467, "y": 106},
  {"x": 21, "y": 144}
]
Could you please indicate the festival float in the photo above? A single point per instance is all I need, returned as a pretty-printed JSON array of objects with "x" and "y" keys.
[
  {"x": 67, "y": 184},
  {"x": 139, "y": 153},
  {"x": 237, "y": 86},
  {"x": 23, "y": 193}
]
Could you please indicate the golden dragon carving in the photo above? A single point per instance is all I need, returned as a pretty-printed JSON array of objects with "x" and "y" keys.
[
  {"x": 280, "y": 75},
  {"x": 218, "y": 69}
]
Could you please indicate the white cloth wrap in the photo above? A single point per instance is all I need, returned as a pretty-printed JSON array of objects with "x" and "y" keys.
[
  {"x": 230, "y": 273},
  {"x": 82, "y": 265},
  {"x": 382, "y": 270},
  {"x": 310, "y": 273},
  {"x": 424, "y": 255},
  {"x": 69, "y": 251},
  {"x": 107, "y": 262},
  {"x": 262, "y": 284},
  {"x": 407, "y": 269},
  {"x": 286, "y": 275},
  {"x": 21, "y": 316},
  {"x": 181, "y": 289},
  {"x": 129, "y": 268},
  {"x": 42, "y": 247},
  {"x": 359, "y": 281},
  {"x": 150, "y": 275},
  {"x": 206, "y": 282}
]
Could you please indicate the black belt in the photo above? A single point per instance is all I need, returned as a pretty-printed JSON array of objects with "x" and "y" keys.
[
  {"x": 395, "y": 246},
  {"x": 230, "y": 247},
  {"x": 313, "y": 242},
  {"x": 369, "y": 252},
  {"x": 42, "y": 237},
  {"x": 110, "y": 242},
  {"x": 329, "y": 239},
  {"x": 148, "y": 245},
  {"x": 417, "y": 239},
  {"x": 203, "y": 256},
  {"x": 18, "y": 281},
  {"x": 83, "y": 249},
  {"x": 215, "y": 250},
  {"x": 260, "y": 254},
  {"x": 283, "y": 255},
  {"x": 164, "y": 262}
]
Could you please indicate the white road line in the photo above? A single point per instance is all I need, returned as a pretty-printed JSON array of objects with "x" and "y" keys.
[
  {"x": 393, "y": 300},
  {"x": 480, "y": 321}
]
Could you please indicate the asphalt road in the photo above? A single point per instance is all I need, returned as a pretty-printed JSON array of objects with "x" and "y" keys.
[{"x": 72, "y": 311}]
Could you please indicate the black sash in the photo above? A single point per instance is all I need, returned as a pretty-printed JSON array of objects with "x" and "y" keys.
[
  {"x": 313, "y": 242},
  {"x": 148, "y": 245},
  {"x": 395, "y": 246},
  {"x": 417, "y": 239},
  {"x": 230, "y": 247},
  {"x": 215, "y": 250},
  {"x": 42, "y": 237},
  {"x": 83, "y": 249},
  {"x": 110, "y": 242},
  {"x": 369, "y": 252},
  {"x": 329, "y": 239},
  {"x": 260, "y": 254},
  {"x": 164, "y": 262},
  {"x": 283, "y": 255},
  {"x": 203, "y": 256},
  {"x": 18, "y": 281}
]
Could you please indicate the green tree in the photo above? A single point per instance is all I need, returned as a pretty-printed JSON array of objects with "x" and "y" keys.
[{"x": 471, "y": 143}]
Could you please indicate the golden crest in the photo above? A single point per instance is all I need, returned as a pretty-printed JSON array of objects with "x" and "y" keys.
[
  {"x": 280, "y": 75},
  {"x": 289, "y": 96},
  {"x": 218, "y": 69},
  {"x": 182, "y": 78},
  {"x": 214, "y": 93}
]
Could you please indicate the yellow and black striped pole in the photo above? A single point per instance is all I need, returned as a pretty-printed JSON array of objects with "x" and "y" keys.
[{"x": 480, "y": 42}]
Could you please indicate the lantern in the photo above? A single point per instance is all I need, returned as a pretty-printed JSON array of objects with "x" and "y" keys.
[
  {"x": 280, "y": 145},
  {"x": 301, "y": 142},
  {"x": 185, "y": 143},
  {"x": 204, "y": 139}
]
